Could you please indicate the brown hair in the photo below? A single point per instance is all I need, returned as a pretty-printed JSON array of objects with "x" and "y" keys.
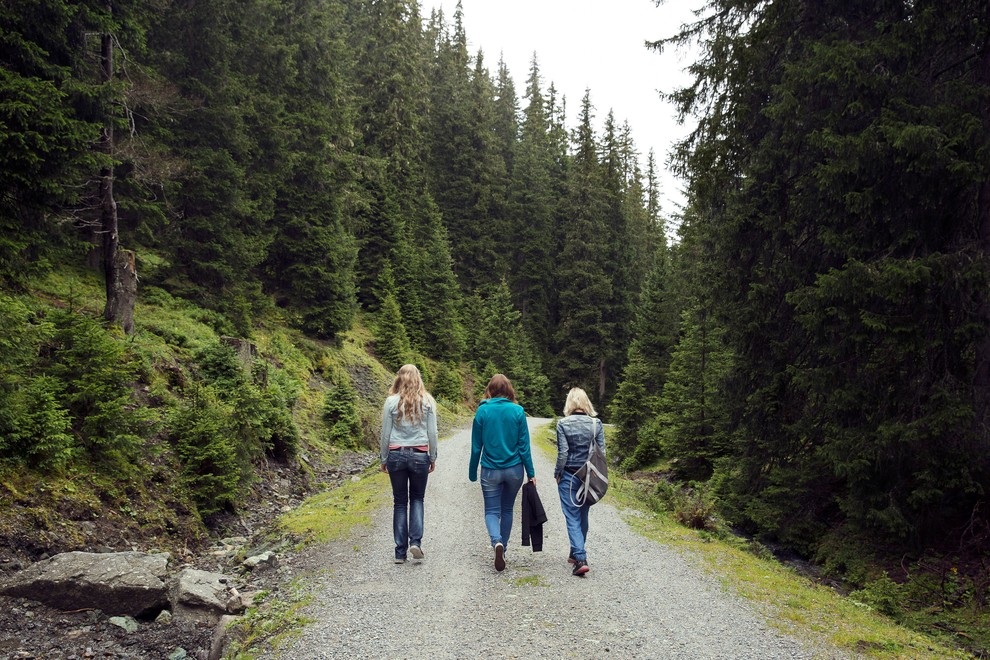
[
  {"x": 408, "y": 384},
  {"x": 499, "y": 385}
]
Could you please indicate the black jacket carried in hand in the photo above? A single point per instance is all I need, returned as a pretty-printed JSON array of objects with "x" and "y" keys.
[{"x": 533, "y": 516}]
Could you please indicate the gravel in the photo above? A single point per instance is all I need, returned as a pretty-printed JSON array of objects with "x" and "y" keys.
[{"x": 640, "y": 599}]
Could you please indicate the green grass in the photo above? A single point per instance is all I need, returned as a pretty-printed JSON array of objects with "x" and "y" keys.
[
  {"x": 331, "y": 515},
  {"x": 530, "y": 581},
  {"x": 790, "y": 602},
  {"x": 277, "y": 621}
]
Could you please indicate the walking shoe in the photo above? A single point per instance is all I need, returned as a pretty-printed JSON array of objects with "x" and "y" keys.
[
  {"x": 416, "y": 551},
  {"x": 499, "y": 557},
  {"x": 580, "y": 568},
  {"x": 400, "y": 560},
  {"x": 571, "y": 559}
]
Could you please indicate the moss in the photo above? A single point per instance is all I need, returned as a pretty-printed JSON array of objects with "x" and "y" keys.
[{"x": 331, "y": 515}]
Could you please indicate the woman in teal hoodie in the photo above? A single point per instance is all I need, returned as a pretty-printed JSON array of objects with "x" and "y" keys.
[{"x": 500, "y": 442}]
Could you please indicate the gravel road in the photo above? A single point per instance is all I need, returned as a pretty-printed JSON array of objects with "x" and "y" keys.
[{"x": 640, "y": 600}]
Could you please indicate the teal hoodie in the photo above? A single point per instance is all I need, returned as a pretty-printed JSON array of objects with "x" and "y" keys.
[{"x": 500, "y": 437}]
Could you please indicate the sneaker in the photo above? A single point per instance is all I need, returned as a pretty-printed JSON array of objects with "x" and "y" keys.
[
  {"x": 571, "y": 559},
  {"x": 416, "y": 551},
  {"x": 499, "y": 557},
  {"x": 400, "y": 560},
  {"x": 580, "y": 568}
]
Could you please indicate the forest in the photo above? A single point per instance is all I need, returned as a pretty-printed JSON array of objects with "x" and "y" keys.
[{"x": 803, "y": 350}]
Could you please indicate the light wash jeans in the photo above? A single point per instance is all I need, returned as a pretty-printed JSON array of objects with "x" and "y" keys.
[
  {"x": 499, "y": 488},
  {"x": 575, "y": 517},
  {"x": 408, "y": 471}
]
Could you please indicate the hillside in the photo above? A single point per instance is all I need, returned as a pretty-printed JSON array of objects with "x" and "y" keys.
[{"x": 294, "y": 417}]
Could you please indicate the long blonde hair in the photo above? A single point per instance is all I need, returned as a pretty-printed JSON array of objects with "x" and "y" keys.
[
  {"x": 408, "y": 384},
  {"x": 577, "y": 399}
]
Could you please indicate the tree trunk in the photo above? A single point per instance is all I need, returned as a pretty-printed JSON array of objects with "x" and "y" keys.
[
  {"x": 981, "y": 376},
  {"x": 124, "y": 293},
  {"x": 119, "y": 269}
]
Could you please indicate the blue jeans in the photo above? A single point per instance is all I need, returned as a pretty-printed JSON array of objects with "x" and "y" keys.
[
  {"x": 408, "y": 471},
  {"x": 575, "y": 517},
  {"x": 499, "y": 488}
]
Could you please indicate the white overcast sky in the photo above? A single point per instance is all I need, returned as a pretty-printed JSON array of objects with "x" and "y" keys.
[{"x": 596, "y": 45}]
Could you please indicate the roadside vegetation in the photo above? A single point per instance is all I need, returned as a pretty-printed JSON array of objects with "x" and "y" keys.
[{"x": 809, "y": 607}]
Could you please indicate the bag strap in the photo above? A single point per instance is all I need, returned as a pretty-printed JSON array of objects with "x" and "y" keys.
[{"x": 582, "y": 492}]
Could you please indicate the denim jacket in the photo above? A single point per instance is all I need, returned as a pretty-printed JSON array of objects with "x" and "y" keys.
[
  {"x": 406, "y": 433},
  {"x": 574, "y": 436}
]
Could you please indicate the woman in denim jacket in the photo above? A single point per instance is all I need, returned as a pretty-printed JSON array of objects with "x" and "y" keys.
[
  {"x": 575, "y": 433},
  {"x": 408, "y": 445},
  {"x": 500, "y": 443}
]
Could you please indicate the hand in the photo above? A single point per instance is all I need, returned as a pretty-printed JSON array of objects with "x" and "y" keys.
[
  {"x": 432, "y": 466},
  {"x": 384, "y": 468},
  {"x": 559, "y": 478},
  {"x": 532, "y": 480}
]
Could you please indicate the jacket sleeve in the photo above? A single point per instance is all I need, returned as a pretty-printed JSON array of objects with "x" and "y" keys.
[
  {"x": 525, "y": 452},
  {"x": 562, "y": 450},
  {"x": 386, "y": 433},
  {"x": 527, "y": 508},
  {"x": 600, "y": 436},
  {"x": 431, "y": 431},
  {"x": 475, "y": 449}
]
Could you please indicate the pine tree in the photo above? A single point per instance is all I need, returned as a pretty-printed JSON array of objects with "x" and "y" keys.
[
  {"x": 312, "y": 261},
  {"x": 531, "y": 213},
  {"x": 222, "y": 197},
  {"x": 466, "y": 172},
  {"x": 692, "y": 418},
  {"x": 839, "y": 188},
  {"x": 392, "y": 341},
  {"x": 584, "y": 286}
]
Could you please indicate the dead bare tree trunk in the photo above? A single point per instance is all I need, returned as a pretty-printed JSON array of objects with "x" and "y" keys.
[
  {"x": 119, "y": 269},
  {"x": 981, "y": 377}
]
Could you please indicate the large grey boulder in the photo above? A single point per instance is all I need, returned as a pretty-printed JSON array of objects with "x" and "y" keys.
[
  {"x": 118, "y": 583},
  {"x": 199, "y": 595}
]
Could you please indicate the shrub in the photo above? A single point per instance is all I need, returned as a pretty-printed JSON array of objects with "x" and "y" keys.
[
  {"x": 882, "y": 594},
  {"x": 447, "y": 383},
  {"x": 98, "y": 374},
  {"x": 202, "y": 430},
  {"x": 341, "y": 414},
  {"x": 34, "y": 427}
]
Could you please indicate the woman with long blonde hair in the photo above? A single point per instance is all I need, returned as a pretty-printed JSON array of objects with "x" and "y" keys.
[
  {"x": 576, "y": 431},
  {"x": 408, "y": 447}
]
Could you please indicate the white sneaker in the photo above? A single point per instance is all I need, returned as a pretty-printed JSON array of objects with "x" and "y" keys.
[{"x": 416, "y": 551}]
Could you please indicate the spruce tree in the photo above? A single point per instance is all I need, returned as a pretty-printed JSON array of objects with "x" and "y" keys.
[
  {"x": 391, "y": 339},
  {"x": 530, "y": 231},
  {"x": 840, "y": 187},
  {"x": 584, "y": 286},
  {"x": 311, "y": 263}
]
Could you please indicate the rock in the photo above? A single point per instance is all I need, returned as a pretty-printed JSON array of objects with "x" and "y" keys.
[
  {"x": 119, "y": 583},
  {"x": 233, "y": 541},
  {"x": 198, "y": 595},
  {"x": 178, "y": 654},
  {"x": 164, "y": 617},
  {"x": 224, "y": 636},
  {"x": 267, "y": 558},
  {"x": 239, "y": 602},
  {"x": 125, "y": 622}
]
